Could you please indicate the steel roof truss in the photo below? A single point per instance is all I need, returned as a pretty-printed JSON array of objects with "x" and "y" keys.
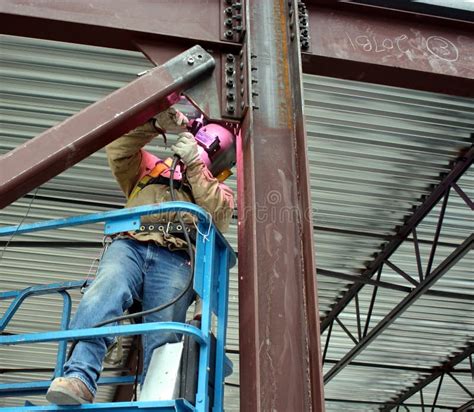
[
  {"x": 437, "y": 372},
  {"x": 395, "y": 313},
  {"x": 402, "y": 233}
]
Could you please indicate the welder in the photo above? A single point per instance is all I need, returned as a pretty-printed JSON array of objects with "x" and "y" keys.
[{"x": 150, "y": 265}]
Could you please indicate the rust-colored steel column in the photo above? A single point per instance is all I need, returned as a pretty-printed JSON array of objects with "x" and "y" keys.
[
  {"x": 67, "y": 143},
  {"x": 280, "y": 362}
]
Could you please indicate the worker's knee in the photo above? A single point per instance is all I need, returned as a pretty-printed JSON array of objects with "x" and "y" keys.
[{"x": 105, "y": 290}]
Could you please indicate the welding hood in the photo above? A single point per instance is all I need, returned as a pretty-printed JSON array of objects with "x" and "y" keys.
[{"x": 216, "y": 146}]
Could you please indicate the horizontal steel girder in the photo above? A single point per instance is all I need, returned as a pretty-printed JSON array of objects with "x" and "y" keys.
[
  {"x": 388, "y": 47},
  {"x": 116, "y": 23},
  {"x": 67, "y": 143},
  {"x": 346, "y": 40},
  {"x": 396, "y": 312}
]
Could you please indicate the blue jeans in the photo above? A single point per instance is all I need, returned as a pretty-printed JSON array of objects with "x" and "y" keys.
[{"x": 129, "y": 270}]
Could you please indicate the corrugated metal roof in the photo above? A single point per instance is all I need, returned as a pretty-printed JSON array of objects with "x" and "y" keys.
[{"x": 374, "y": 151}]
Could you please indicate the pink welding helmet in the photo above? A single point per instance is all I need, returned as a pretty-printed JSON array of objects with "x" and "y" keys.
[{"x": 216, "y": 148}]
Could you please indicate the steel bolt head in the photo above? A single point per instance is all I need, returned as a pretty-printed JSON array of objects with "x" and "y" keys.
[
  {"x": 191, "y": 60},
  {"x": 228, "y": 22},
  {"x": 229, "y": 34},
  {"x": 230, "y": 108},
  {"x": 230, "y": 69},
  {"x": 230, "y": 96},
  {"x": 230, "y": 58}
]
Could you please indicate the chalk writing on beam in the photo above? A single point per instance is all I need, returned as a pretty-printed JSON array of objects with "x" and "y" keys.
[
  {"x": 442, "y": 48},
  {"x": 436, "y": 46}
]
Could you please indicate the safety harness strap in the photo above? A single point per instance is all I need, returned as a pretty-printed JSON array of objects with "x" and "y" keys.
[{"x": 160, "y": 167}]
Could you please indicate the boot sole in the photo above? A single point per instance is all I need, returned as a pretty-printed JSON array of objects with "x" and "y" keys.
[{"x": 60, "y": 396}]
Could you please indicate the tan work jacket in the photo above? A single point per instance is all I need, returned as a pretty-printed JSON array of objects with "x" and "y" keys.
[{"x": 129, "y": 162}]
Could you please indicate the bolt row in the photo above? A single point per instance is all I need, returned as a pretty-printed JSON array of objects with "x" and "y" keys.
[
  {"x": 303, "y": 25},
  {"x": 234, "y": 82},
  {"x": 230, "y": 83},
  {"x": 233, "y": 14}
]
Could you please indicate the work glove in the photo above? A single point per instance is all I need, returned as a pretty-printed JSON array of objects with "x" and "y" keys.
[
  {"x": 186, "y": 148},
  {"x": 171, "y": 120}
]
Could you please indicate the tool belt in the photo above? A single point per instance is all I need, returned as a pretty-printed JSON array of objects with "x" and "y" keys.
[{"x": 171, "y": 228}]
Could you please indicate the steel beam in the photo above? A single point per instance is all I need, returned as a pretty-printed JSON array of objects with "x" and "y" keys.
[
  {"x": 462, "y": 164},
  {"x": 62, "y": 146},
  {"x": 280, "y": 363},
  {"x": 388, "y": 47},
  {"x": 396, "y": 312},
  {"x": 395, "y": 367},
  {"x": 437, "y": 372},
  {"x": 466, "y": 406},
  {"x": 117, "y": 23},
  {"x": 381, "y": 403},
  {"x": 393, "y": 286},
  {"x": 348, "y": 40}
]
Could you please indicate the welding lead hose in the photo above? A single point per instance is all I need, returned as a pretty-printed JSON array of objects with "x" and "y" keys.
[{"x": 191, "y": 263}]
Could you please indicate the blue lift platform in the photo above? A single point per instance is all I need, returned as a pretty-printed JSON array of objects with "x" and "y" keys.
[{"x": 213, "y": 259}]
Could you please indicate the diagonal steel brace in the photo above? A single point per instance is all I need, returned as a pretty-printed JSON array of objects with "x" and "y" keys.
[{"x": 69, "y": 142}]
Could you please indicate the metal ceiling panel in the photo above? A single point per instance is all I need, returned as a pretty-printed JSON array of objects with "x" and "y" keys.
[{"x": 374, "y": 152}]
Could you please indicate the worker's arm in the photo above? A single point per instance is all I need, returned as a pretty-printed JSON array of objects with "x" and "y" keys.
[
  {"x": 215, "y": 197},
  {"x": 128, "y": 161}
]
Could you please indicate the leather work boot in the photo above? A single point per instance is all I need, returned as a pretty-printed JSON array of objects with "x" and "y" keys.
[{"x": 69, "y": 391}]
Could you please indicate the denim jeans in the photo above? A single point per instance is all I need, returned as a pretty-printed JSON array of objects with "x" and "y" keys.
[{"x": 129, "y": 270}]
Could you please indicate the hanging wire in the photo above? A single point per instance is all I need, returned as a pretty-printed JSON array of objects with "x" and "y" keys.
[
  {"x": 21, "y": 222},
  {"x": 106, "y": 241}
]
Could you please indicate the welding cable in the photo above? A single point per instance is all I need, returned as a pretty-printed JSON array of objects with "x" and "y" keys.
[
  {"x": 19, "y": 224},
  {"x": 180, "y": 295},
  {"x": 191, "y": 262}
]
